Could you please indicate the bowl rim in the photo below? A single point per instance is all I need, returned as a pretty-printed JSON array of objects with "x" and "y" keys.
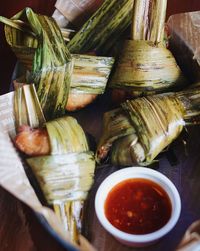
[{"x": 149, "y": 174}]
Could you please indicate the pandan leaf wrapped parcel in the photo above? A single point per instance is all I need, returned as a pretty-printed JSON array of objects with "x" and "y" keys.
[
  {"x": 142, "y": 128},
  {"x": 43, "y": 55},
  {"x": 145, "y": 65},
  {"x": 59, "y": 156}
]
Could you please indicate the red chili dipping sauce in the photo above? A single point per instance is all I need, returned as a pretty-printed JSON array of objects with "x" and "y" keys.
[{"x": 138, "y": 206}]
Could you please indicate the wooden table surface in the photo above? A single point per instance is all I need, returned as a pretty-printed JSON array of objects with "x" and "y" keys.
[{"x": 21, "y": 230}]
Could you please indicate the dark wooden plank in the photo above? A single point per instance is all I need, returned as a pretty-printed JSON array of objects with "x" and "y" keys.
[{"x": 178, "y": 6}]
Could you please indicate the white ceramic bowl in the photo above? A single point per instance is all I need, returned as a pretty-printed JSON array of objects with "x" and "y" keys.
[{"x": 137, "y": 172}]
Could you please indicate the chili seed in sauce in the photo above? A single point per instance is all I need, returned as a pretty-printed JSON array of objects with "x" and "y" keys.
[{"x": 138, "y": 206}]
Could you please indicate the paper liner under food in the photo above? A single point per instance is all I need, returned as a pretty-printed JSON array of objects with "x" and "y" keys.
[
  {"x": 76, "y": 11},
  {"x": 12, "y": 174},
  {"x": 191, "y": 239}
]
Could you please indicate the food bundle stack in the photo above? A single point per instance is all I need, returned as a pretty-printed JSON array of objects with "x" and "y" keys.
[
  {"x": 59, "y": 151},
  {"x": 68, "y": 70}
]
